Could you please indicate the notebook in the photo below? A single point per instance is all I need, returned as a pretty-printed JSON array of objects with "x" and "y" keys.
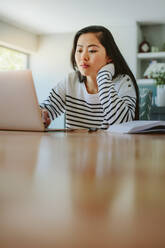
[
  {"x": 19, "y": 107},
  {"x": 140, "y": 126}
]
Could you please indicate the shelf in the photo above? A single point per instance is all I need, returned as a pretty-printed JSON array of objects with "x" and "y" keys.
[
  {"x": 145, "y": 81},
  {"x": 151, "y": 55},
  {"x": 158, "y": 109},
  {"x": 157, "y": 113},
  {"x": 154, "y": 33}
]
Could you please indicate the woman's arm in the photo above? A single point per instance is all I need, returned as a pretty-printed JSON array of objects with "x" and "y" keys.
[
  {"x": 118, "y": 105},
  {"x": 54, "y": 105}
]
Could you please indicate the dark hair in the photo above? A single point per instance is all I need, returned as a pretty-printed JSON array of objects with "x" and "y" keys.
[{"x": 106, "y": 39}]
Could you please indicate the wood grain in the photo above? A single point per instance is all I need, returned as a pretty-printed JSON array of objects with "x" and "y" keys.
[{"x": 82, "y": 190}]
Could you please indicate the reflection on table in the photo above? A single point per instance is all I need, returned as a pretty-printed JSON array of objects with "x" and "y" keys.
[{"x": 81, "y": 189}]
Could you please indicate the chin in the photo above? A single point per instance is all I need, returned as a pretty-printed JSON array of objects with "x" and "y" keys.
[{"x": 84, "y": 73}]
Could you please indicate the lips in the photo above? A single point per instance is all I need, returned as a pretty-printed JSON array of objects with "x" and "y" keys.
[{"x": 84, "y": 66}]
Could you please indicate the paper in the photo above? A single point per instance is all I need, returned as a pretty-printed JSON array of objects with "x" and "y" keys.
[{"x": 138, "y": 127}]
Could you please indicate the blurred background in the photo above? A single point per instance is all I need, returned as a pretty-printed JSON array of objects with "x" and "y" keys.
[{"x": 38, "y": 35}]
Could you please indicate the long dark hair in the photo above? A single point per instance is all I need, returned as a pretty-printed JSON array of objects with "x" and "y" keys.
[{"x": 106, "y": 39}]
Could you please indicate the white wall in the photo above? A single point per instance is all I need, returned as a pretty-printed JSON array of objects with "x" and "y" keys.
[
  {"x": 52, "y": 61},
  {"x": 17, "y": 38},
  {"x": 126, "y": 39}
]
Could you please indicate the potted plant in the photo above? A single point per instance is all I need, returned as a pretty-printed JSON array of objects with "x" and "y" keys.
[{"x": 156, "y": 71}]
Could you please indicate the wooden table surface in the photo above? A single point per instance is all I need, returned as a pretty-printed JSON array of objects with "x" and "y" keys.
[{"x": 82, "y": 190}]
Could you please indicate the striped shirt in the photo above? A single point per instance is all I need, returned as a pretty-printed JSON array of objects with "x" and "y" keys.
[{"x": 115, "y": 101}]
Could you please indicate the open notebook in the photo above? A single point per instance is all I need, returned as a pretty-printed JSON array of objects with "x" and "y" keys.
[
  {"x": 19, "y": 107},
  {"x": 138, "y": 127}
]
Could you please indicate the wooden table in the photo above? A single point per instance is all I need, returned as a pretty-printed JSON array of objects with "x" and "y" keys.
[{"x": 82, "y": 190}]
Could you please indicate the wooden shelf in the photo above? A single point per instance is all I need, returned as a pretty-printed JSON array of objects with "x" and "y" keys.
[{"x": 151, "y": 55}]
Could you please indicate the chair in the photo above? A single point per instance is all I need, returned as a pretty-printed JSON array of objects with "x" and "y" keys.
[{"x": 145, "y": 103}]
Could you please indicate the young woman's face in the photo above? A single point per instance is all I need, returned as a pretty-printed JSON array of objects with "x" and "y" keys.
[{"x": 90, "y": 55}]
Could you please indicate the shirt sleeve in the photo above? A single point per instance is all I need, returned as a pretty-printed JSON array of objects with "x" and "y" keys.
[
  {"x": 55, "y": 103},
  {"x": 118, "y": 97}
]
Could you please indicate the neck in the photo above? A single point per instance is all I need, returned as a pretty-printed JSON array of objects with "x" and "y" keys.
[{"x": 91, "y": 85}]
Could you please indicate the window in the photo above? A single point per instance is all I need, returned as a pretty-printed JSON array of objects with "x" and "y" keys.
[{"x": 12, "y": 60}]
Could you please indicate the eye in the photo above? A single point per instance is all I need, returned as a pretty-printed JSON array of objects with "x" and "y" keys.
[
  {"x": 79, "y": 50},
  {"x": 93, "y": 51}
]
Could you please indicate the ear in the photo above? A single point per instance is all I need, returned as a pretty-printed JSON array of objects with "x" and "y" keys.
[{"x": 109, "y": 60}]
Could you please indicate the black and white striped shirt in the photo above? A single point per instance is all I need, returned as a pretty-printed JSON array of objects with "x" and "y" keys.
[{"x": 115, "y": 101}]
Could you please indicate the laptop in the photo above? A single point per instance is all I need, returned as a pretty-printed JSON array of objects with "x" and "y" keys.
[{"x": 19, "y": 107}]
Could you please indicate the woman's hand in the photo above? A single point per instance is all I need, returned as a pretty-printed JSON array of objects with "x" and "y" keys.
[{"x": 45, "y": 117}]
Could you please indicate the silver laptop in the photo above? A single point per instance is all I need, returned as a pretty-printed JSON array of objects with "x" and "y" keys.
[{"x": 19, "y": 107}]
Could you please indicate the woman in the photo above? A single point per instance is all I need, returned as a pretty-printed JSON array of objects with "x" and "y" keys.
[{"x": 102, "y": 91}]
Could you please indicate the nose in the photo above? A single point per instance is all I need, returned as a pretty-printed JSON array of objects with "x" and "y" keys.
[{"x": 85, "y": 56}]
